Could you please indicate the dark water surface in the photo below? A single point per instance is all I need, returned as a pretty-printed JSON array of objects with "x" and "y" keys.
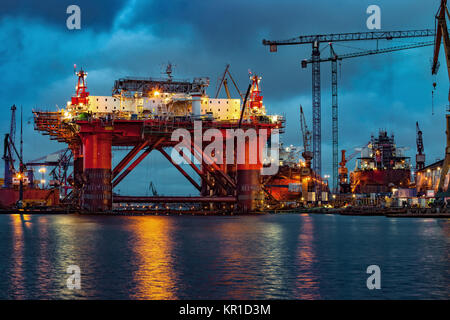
[{"x": 264, "y": 257}]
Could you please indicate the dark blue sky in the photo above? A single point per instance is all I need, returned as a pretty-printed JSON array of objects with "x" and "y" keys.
[{"x": 136, "y": 38}]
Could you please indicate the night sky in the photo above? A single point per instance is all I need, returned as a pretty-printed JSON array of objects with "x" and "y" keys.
[{"x": 137, "y": 38}]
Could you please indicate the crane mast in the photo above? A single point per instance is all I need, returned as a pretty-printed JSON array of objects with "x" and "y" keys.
[
  {"x": 420, "y": 156},
  {"x": 442, "y": 34},
  {"x": 334, "y": 116},
  {"x": 306, "y": 136}
]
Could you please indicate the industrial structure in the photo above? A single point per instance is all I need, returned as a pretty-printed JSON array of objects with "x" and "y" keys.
[
  {"x": 20, "y": 189},
  {"x": 144, "y": 113}
]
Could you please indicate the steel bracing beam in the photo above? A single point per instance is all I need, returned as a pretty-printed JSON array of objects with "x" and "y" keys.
[
  {"x": 213, "y": 165},
  {"x": 184, "y": 173},
  {"x": 193, "y": 166},
  {"x": 124, "y": 162},
  {"x": 136, "y": 162},
  {"x": 131, "y": 199},
  {"x": 208, "y": 168}
]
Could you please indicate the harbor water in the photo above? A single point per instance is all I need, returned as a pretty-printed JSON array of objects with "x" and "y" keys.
[{"x": 274, "y": 256}]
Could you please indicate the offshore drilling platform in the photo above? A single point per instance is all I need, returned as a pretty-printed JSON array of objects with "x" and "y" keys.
[{"x": 143, "y": 114}]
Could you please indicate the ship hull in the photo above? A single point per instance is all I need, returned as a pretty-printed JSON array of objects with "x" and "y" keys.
[
  {"x": 287, "y": 184},
  {"x": 379, "y": 181}
]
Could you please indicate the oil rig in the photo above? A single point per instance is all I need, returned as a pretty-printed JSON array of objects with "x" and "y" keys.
[{"x": 144, "y": 114}]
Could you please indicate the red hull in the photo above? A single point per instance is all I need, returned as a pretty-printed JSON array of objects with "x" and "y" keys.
[
  {"x": 379, "y": 181},
  {"x": 9, "y": 197}
]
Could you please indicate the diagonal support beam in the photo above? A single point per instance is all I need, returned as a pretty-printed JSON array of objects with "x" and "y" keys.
[
  {"x": 184, "y": 173},
  {"x": 126, "y": 160},
  {"x": 136, "y": 162},
  {"x": 196, "y": 169},
  {"x": 212, "y": 164},
  {"x": 207, "y": 167}
]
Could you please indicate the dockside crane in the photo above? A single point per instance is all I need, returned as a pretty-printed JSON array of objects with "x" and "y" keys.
[
  {"x": 7, "y": 149},
  {"x": 420, "y": 156},
  {"x": 334, "y": 58},
  {"x": 10, "y": 150},
  {"x": 315, "y": 41},
  {"x": 442, "y": 35},
  {"x": 306, "y": 137},
  {"x": 344, "y": 181}
]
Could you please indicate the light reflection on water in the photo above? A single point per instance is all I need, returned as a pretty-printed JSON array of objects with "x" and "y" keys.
[
  {"x": 155, "y": 276},
  {"x": 307, "y": 283},
  {"x": 265, "y": 257}
]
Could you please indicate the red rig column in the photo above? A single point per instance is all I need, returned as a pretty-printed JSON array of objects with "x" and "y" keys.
[
  {"x": 249, "y": 193},
  {"x": 77, "y": 166},
  {"x": 97, "y": 190}
]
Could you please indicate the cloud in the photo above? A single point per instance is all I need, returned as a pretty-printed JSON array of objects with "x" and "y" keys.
[{"x": 96, "y": 15}]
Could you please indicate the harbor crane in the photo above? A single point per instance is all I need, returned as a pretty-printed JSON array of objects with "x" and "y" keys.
[
  {"x": 442, "y": 35},
  {"x": 420, "y": 156},
  {"x": 344, "y": 182},
  {"x": 315, "y": 41},
  {"x": 60, "y": 161},
  {"x": 334, "y": 58},
  {"x": 7, "y": 152},
  {"x": 306, "y": 136}
]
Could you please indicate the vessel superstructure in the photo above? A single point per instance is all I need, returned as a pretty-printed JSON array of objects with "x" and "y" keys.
[{"x": 381, "y": 167}]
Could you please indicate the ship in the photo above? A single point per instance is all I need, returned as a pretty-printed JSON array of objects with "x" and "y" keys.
[
  {"x": 295, "y": 181},
  {"x": 381, "y": 167}
]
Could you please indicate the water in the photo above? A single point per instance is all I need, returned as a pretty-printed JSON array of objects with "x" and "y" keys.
[{"x": 264, "y": 257}]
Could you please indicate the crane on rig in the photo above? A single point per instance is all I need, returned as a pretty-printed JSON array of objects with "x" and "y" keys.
[
  {"x": 224, "y": 82},
  {"x": 315, "y": 41},
  {"x": 306, "y": 136},
  {"x": 442, "y": 35},
  {"x": 334, "y": 58}
]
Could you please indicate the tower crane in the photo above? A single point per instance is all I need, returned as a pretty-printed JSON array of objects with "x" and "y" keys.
[
  {"x": 442, "y": 34},
  {"x": 420, "y": 156},
  {"x": 315, "y": 41},
  {"x": 334, "y": 58},
  {"x": 306, "y": 135}
]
